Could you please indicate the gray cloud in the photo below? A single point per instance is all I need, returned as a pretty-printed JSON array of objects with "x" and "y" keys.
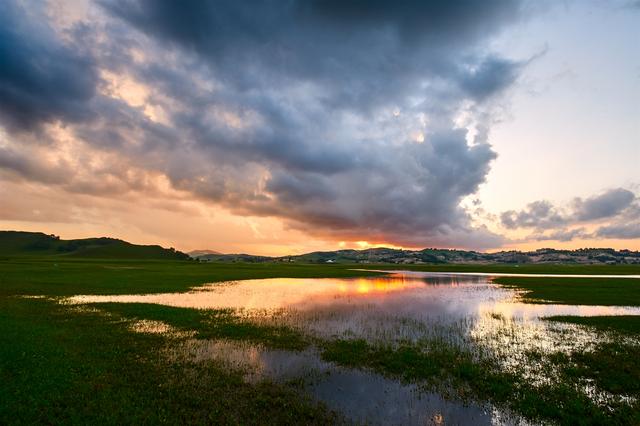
[
  {"x": 360, "y": 59},
  {"x": 619, "y": 230},
  {"x": 561, "y": 235},
  {"x": 41, "y": 78},
  {"x": 539, "y": 215},
  {"x": 604, "y": 205},
  {"x": 306, "y": 111},
  {"x": 544, "y": 215},
  {"x": 619, "y": 206}
]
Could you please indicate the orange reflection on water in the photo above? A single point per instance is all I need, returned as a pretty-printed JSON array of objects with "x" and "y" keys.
[
  {"x": 274, "y": 293},
  {"x": 380, "y": 285}
]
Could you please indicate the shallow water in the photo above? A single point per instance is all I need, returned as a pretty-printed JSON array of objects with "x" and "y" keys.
[
  {"x": 364, "y": 397},
  {"x": 466, "y": 311},
  {"x": 413, "y": 294},
  {"x": 463, "y": 310}
]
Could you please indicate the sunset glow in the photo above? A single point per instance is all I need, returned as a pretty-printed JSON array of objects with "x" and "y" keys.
[{"x": 315, "y": 129}]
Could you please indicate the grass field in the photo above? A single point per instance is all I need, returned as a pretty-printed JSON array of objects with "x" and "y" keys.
[
  {"x": 61, "y": 364},
  {"x": 66, "y": 277},
  {"x": 577, "y": 291}
]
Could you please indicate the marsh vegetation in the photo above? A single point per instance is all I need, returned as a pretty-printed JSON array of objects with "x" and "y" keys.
[{"x": 233, "y": 343}]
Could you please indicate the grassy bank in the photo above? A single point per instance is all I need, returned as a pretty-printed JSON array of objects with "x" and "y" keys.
[
  {"x": 576, "y": 291},
  {"x": 55, "y": 276}
]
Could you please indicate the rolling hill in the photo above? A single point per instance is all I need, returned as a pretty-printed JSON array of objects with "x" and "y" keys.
[
  {"x": 18, "y": 243},
  {"x": 587, "y": 256}
]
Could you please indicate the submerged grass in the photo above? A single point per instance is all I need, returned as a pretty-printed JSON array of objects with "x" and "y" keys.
[
  {"x": 625, "y": 324},
  {"x": 211, "y": 324},
  {"x": 612, "y": 366}
]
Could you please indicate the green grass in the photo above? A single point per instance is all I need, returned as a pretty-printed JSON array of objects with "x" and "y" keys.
[
  {"x": 455, "y": 371},
  {"x": 58, "y": 365},
  {"x": 69, "y": 277},
  {"x": 18, "y": 243},
  {"x": 576, "y": 291},
  {"x": 61, "y": 367}
]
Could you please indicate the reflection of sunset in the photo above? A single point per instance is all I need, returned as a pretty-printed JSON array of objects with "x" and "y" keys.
[
  {"x": 380, "y": 285},
  {"x": 271, "y": 293},
  {"x": 449, "y": 296}
]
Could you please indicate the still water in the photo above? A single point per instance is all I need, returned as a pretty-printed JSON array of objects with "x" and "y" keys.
[{"x": 465, "y": 310}]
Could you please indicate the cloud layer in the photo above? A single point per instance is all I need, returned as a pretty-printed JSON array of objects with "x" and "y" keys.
[
  {"x": 41, "y": 78},
  {"x": 345, "y": 120},
  {"x": 349, "y": 121},
  {"x": 615, "y": 212}
]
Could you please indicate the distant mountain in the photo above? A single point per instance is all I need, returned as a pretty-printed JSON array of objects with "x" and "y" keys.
[
  {"x": 17, "y": 243},
  {"x": 442, "y": 256}
]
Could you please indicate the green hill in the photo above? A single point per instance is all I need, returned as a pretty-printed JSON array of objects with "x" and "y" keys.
[{"x": 18, "y": 243}]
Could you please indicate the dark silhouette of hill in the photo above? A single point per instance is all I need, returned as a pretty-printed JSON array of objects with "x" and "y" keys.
[
  {"x": 589, "y": 256},
  {"x": 18, "y": 243}
]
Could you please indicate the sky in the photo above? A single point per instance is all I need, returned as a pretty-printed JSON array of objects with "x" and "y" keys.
[{"x": 287, "y": 126}]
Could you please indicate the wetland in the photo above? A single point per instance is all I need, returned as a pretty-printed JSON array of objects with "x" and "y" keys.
[{"x": 336, "y": 344}]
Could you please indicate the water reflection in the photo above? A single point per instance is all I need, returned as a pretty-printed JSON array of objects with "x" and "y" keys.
[
  {"x": 414, "y": 295},
  {"x": 365, "y": 397},
  {"x": 462, "y": 310}
]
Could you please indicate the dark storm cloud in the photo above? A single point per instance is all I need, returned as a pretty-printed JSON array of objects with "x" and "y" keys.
[
  {"x": 41, "y": 79},
  {"x": 210, "y": 26},
  {"x": 363, "y": 53},
  {"x": 322, "y": 80},
  {"x": 338, "y": 117},
  {"x": 490, "y": 77}
]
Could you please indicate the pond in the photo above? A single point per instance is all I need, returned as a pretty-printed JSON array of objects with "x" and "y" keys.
[{"x": 463, "y": 310}]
